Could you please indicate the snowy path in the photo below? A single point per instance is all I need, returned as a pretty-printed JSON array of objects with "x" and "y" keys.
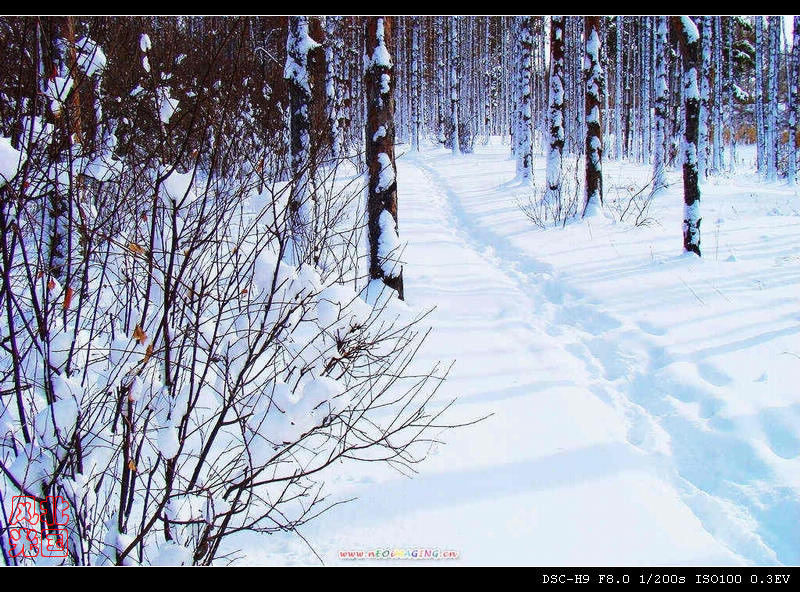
[
  {"x": 698, "y": 356},
  {"x": 576, "y": 465}
]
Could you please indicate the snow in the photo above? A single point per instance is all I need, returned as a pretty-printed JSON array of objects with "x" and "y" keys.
[
  {"x": 379, "y": 133},
  {"x": 178, "y": 188},
  {"x": 380, "y": 58},
  {"x": 9, "y": 160},
  {"x": 644, "y": 403},
  {"x": 297, "y": 49},
  {"x": 168, "y": 443},
  {"x": 144, "y": 43},
  {"x": 388, "y": 242},
  {"x": 167, "y": 106},
  {"x": 91, "y": 58},
  {"x": 172, "y": 554},
  {"x": 690, "y": 29},
  {"x": 386, "y": 176}
]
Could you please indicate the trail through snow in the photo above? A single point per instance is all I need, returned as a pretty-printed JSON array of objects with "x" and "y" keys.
[{"x": 609, "y": 443}]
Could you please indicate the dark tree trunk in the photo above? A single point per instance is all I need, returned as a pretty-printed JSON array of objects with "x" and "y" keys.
[
  {"x": 686, "y": 30},
  {"x": 298, "y": 76},
  {"x": 380, "y": 132},
  {"x": 557, "y": 114},
  {"x": 594, "y": 129}
]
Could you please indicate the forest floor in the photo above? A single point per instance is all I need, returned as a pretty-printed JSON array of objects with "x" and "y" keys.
[{"x": 645, "y": 404}]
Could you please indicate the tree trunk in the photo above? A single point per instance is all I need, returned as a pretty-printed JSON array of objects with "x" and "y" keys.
[
  {"x": 618, "y": 93},
  {"x": 705, "y": 97},
  {"x": 301, "y": 206},
  {"x": 794, "y": 102},
  {"x": 761, "y": 145},
  {"x": 689, "y": 37},
  {"x": 524, "y": 108},
  {"x": 661, "y": 105},
  {"x": 595, "y": 84},
  {"x": 380, "y": 133},
  {"x": 454, "y": 83},
  {"x": 556, "y": 110},
  {"x": 331, "y": 83},
  {"x": 773, "y": 59}
]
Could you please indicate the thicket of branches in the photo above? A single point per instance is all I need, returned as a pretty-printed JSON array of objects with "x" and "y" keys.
[{"x": 163, "y": 368}]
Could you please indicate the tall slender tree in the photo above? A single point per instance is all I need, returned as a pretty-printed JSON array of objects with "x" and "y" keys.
[
  {"x": 380, "y": 134},
  {"x": 689, "y": 36},
  {"x": 454, "y": 82},
  {"x": 556, "y": 110},
  {"x": 416, "y": 81},
  {"x": 296, "y": 72},
  {"x": 524, "y": 131},
  {"x": 730, "y": 115},
  {"x": 705, "y": 96},
  {"x": 618, "y": 99},
  {"x": 595, "y": 87},
  {"x": 773, "y": 69},
  {"x": 332, "y": 92},
  {"x": 761, "y": 143},
  {"x": 661, "y": 103},
  {"x": 794, "y": 102}
]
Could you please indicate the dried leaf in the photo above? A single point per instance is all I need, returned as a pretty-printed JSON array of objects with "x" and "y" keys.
[
  {"x": 148, "y": 353},
  {"x": 139, "y": 335},
  {"x": 132, "y": 466},
  {"x": 134, "y": 248},
  {"x": 68, "y": 298}
]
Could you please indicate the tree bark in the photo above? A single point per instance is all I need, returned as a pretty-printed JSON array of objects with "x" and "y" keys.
[
  {"x": 380, "y": 134},
  {"x": 595, "y": 84},
  {"x": 689, "y": 37},
  {"x": 556, "y": 109}
]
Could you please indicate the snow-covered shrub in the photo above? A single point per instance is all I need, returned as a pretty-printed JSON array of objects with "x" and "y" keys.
[{"x": 163, "y": 369}]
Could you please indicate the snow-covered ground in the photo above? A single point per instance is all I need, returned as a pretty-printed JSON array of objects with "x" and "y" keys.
[{"x": 646, "y": 404}]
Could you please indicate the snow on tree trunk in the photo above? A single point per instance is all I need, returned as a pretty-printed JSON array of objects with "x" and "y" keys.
[
  {"x": 794, "y": 101},
  {"x": 555, "y": 110},
  {"x": 380, "y": 132},
  {"x": 761, "y": 145},
  {"x": 441, "y": 86},
  {"x": 513, "y": 85},
  {"x": 618, "y": 102},
  {"x": 646, "y": 57},
  {"x": 296, "y": 72},
  {"x": 690, "y": 47},
  {"x": 416, "y": 91},
  {"x": 454, "y": 83},
  {"x": 773, "y": 58},
  {"x": 332, "y": 41},
  {"x": 524, "y": 131},
  {"x": 661, "y": 103},
  {"x": 490, "y": 89},
  {"x": 705, "y": 96},
  {"x": 730, "y": 116},
  {"x": 595, "y": 84},
  {"x": 718, "y": 158}
]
